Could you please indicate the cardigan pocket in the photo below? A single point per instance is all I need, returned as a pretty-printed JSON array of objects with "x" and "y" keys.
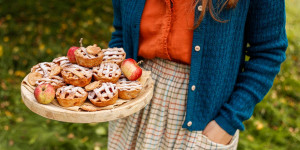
[{"x": 203, "y": 142}]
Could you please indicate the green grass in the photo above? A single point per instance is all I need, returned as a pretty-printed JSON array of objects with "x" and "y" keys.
[{"x": 34, "y": 31}]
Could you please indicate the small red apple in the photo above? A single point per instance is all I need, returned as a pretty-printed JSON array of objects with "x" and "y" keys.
[
  {"x": 44, "y": 93},
  {"x": 131, "y": 69},
  {"x": 71, "y": 54}
]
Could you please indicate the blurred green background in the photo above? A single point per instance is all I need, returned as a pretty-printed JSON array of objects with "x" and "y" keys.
[{"x": 34, "y": 31}]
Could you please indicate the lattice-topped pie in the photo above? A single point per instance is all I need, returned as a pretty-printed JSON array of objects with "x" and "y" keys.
[
  {"x": 105, "y": 95},
  {"x": 45, "y": 69},
  {"x": 62, "y": 61},
  {"x": 68, "y": 96},
  {"x": 77, "y": 75},
  {"x": 55, "y": 81},
  {"x": 115, "y": 55},
  {"x": 95, "y": 75},
  {"x": 89, "y": 57},
  {"x": 128, "y": 89},
  {"x": 107, "y": 72}
]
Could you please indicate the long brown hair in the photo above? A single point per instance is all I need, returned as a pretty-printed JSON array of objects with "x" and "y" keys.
[{"x": 208, "y": 5}]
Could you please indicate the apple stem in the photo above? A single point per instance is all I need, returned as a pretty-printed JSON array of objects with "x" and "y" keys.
[
  {"x": 80, "y": 41},
  {"x": 141, "y": 61}
]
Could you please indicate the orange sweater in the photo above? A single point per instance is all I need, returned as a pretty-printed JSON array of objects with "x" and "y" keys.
[{"x": 166, "y": 30}]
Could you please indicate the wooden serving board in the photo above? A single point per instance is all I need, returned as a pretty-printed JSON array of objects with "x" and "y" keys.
[{"x": 55, "y": 112}]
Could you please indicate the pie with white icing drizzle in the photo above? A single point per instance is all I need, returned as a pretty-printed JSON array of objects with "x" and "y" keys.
[
  {"x": 105, "y": 95},
  {"x": 89, "y": 57},
  {"x": 128, "y": 89},
  {"x": 97, "y": 76},
  {"x": 62, "y": 61},
  {"x": 68, "y": 96},
  {"x": 77, "y": 75},
  {"x": 107, "y": 72},
  {"x": 55, "y": 81},
  {"x": 115, "y": 55},
  {"x": 44, "y": 68}
]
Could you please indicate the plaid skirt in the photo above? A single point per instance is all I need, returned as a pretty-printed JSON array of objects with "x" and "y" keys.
[{"x": 159, "y": 124}]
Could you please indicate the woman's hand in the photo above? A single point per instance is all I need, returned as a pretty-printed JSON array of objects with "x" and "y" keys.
[{"x": 216, "y": 134}]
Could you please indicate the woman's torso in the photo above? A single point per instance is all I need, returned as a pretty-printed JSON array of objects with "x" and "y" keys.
[{"x": 166, "y": 30}]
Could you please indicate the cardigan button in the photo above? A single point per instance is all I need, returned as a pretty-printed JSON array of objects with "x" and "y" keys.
[
  {"x": 189, "y": 123},
  {"x": 193, "y": 88},
  {"x": 197, "y": 48},
  {"x": 200, "y": 8}
]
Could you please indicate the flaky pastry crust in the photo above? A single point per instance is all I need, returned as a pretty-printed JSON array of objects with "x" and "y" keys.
[
  {"x": 77, "y": 75},
  {"x": 128, "y": 89},
  {"x": 83, "y": 58},
  {"x": 105, "y": 95},
  {"x": 107, "y": 72},
  {"x": 68, "y": 96}
]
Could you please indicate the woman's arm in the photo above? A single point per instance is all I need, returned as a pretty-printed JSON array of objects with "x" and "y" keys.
[
  {"x": 265, "y": 32},
  {"x": 117, "y": 35}
]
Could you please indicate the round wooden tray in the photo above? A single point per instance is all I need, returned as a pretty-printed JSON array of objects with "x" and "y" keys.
[{"x": 54, "y": 112}]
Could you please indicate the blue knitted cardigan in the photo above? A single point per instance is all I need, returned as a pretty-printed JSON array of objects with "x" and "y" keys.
[{"x": 227, "y": 86}]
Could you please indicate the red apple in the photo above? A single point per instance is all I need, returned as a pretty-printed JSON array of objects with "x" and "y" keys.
[
  {"x": 71, "y": 54},
  {"x": 131, "y": 69},
  {"x": 44, "y": 93}
]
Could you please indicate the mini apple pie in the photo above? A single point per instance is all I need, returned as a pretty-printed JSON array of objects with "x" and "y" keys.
[
  {"x": 89, "y": 57},
  {"x": 105, "y": 95},
  {"x": 46, "y": 69},
  {"x": 107, "y": 72},
  {"x": 115, "y": 55},
  {"x": 55, "y": 81},
  {"x": 68, "y": 96},
  {"x": 128, "y": 89},
  {"x": 77, "y": 75},
  {"x": 62, "y": 61}
]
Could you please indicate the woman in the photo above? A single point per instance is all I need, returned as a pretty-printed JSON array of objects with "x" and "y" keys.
[{"x": 196, "y": 51}]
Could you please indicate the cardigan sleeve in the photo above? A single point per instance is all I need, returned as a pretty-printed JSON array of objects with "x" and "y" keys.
[
  {"x": 117, "y": 35},
  {"x": 266, "y": 35}
]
